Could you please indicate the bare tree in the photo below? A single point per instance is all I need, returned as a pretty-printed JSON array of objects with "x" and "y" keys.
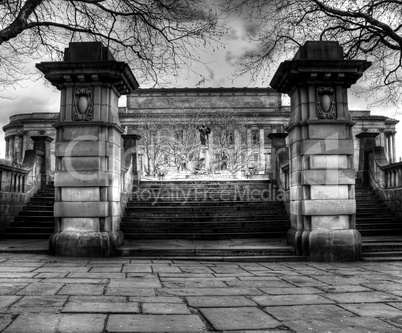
[
  {"x": 155, "y": 36},
  {"x": 151, "y": 146},
  {"x": 182, "y": 139},
  {"x": 231, "y": 149},
  {"x": 366, "y": 29}
]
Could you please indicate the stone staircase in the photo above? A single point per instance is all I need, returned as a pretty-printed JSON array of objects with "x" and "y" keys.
[
  {"x": 204, "y": 210},
  {"x": 381, "y": 231},
  {"x": 36, "y": 219},
  {"x": 239, "y": 219}
]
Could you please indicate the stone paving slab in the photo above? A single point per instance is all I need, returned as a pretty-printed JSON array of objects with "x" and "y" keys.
[
  {"x": 307, "y": 312},
  {"x": 61, "y": 294},
  {"x": 239, "y": 318},
  {"x": 155, "y": 323},
  {"x": 342, "y": 325}
]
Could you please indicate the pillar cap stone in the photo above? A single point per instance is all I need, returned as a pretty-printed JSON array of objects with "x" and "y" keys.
[
  {"x": 318, "y": 63},
  {"x": 89, "y": 62}
]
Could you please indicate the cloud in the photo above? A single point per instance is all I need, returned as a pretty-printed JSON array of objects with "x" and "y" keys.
[
  {"x": 31, "y": 97},
  {"x": 231, "y": 58}
]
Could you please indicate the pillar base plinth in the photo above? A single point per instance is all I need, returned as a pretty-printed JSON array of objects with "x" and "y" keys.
[
  {"x": 89, "y": 244},
  {"x": 335, "y": 245},
  {"x": 294, "y": 238}
]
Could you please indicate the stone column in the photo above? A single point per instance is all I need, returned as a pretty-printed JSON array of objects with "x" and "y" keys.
[
  {"x": 7, "y": 147},
  {"x": 25, "y": 143},
  {"x": 367, "y": 140},
  {"x": 88, "y": 150},
  {"x": 388, "y": 145},
  {"x": 322, "y": 177},
  {"x": 42, "y": 143},
  {"x": 11, "y": 148},
  {"x": 262, "y": 156},
  {"x": 278, "y": 142},
  {"x": 393, "y": 147},
  {"x": 249, "y": 145},
  {"x": 17, "y": 148}
]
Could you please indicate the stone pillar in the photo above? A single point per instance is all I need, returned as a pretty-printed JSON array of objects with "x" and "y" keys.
[
  {"x": 278, "y": 142},
  {"x": 262, "y": 156},
  {"x": 322, "y": 178},
  {"x": 249, "y": 144},
  {"x": 88, "y": 150},
  {"x": 367, "y": 140},
  {"x": 130, "y": 152},
  {"x": 11, "y": 148},
  {"x": 7, "y": 147},
  {"x": 388, "y": 146},
  {"x": 25, "y": 143},
  {"x": 393, "y": 147},
  {"x": 42, "y": 143},
  {"x": 17, "y": 149}
]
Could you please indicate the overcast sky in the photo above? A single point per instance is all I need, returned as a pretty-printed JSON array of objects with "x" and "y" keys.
[{"x": 38, "y": 97}]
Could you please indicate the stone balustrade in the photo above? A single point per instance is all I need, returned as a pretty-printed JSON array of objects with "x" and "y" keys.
[
  {"x": 18, "y": 184},
  {"x": 393, "y": 175},
  {"x": 385, "y": 178}
]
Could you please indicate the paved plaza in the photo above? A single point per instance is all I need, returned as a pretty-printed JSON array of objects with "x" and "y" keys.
[{"x": 41, "y": 293}]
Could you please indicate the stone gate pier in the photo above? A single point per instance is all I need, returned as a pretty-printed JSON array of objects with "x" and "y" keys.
[
  {"x": 322, "y": 178},
  {"x": 88, "y": 149}
]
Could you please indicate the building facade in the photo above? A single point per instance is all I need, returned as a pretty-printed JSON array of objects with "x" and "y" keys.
[{"x": 250, "y": 115}]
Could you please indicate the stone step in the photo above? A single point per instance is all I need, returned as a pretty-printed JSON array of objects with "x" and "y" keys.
[
  {"x": 34, "y": 219},
  {"x": 42, "y": 199},
  {"x": 381, "y": 259},
  {"x": 394, "y": 226},
  {"x": 28, "y": 223},
  {"x": 36, "y": 213},
  {"x": 206, "y": 228},
  {"x": 32, "y": 229},
  {"x": 375, "y": 214},
  {"x": 127, "y": 251},
  {"x": 281, "y": 258},
  {"x": 380, "y": 232},
  {"x": 194, "y": 223},
  {"x": 204, "y": 219},
  {"x": 384, "y": 254},
  {"x": 377, "y": 220},
  {"x": 31, "y": 235},
  {"x": 382, "y": 247},
  {"x": 38, "y": 208},
  {"x": 183, "y": 235},
  {"x": 206, "y": 203}
]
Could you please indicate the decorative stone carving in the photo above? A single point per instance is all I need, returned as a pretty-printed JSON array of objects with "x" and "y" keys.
[
  {"x": 83, "y": 104},
  {"x": 326, "y": 103}
]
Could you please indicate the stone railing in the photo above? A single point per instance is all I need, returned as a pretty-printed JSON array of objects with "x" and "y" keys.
[
  {"x": 18, "y": 184},
  {"x": 385, "y": 179}
]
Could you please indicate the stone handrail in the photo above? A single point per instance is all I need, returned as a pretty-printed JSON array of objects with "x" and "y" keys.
[
  {"x": 385, "y": 178},
  {"x": 18, "y": 184}
]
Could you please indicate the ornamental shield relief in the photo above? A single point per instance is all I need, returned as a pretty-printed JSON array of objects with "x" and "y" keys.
[
  {"x": 325, "y": 97},
  {"x": 83, "y": 104}
]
